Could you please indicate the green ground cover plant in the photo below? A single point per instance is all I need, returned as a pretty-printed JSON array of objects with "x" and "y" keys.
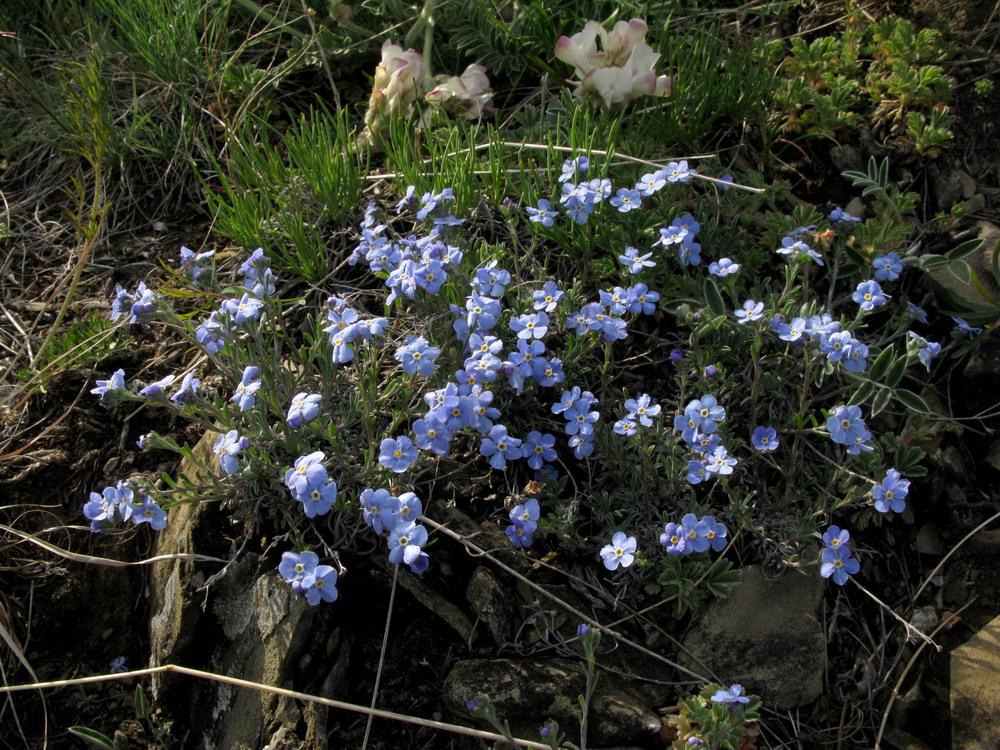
[{"x": 668, "y": 367}]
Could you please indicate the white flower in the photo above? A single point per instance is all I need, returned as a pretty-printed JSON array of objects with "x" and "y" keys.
[
  {"x": 467, "y": 95},
  {"x": 621, "y": 70}
]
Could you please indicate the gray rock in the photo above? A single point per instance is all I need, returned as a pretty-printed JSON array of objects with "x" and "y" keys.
[
  {"x": 766, "y": 637},
  {"x": 528, "y": 692},
  {"x": 172, "y": 584},
  {"x": 491, "y": 603},
  {"x": 975, "y": 701},
  {"x": 265, "y": 627},
  {"x": 978, "y": 384}
]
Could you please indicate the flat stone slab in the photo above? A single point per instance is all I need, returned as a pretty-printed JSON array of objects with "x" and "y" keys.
[
  {"x": 766, "y": 636},
  {"x": 975, "y": 699}
]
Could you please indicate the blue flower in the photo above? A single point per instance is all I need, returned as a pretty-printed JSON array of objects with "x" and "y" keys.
[
  {"x": 529, "y": 510},
  {"x": 890, "y": 494},
  {"x": 521, "y": 534},
  {"x": 151, "y": 513},
  {"x": 706, "y": 413},
  {"x": 227, "y": 447},
  {"x": 917, "y": 313},
  {"x": 869, "y": 295},
  {"x": 626, "y": 200},
  {"x": 626, "y": 426},
  {"x": 538, "y": 448},
  {"x": 964, "y": 327},
  {"x": 379, "y": 509},
  {"x": 544, "y": 214},
  {"x": 417, "y": 356},
  {"x": 839, "y": 214},
  {"x": 651, "y": 182},
  {"x": 733, "y": 695},
  {"x": 719, "y": 461},
  {"x": 571, "y": 167},
  {"x": 835, "y": 537},
  {"x": 499, "y": 447},
  {"x": 397, "y": 454},
  {"x": 678, "y": 172},
  {"x": 674, "y": 540},
  {"x": 308, "y": 471},
  {"x": 724, "y": 267},
  {"x": 530, "y": 326},
  {"x": 619, "y": 552},
  {"x": 432, "y": 435},
  {"x": 798, "y": 249},
  {"x": 751, "y": 311},
  {"x": 317, "y": 499},
  {"x": 715, "y": 533},
  {"x": 188, "y": 389},
  {"x": 887, "y": 267},
  {"x": 490, "y": 280},
  {"x": 304, "y": 408},
  {"x": 405, "y": 542},
  {"x": 547, "y": 297},
  {"x": 107, "y": 389},
  {"x": 838, "y": 563},
  {"x": 697, "y": 472},
  {"x": 248, "y": 386},
  {"x": 296, "y": 566},
  {"x": 845, "y": 424},
  {"x": 925, "y": 349},
  {"x": 155, "y": 390},
  {"x": 117, "y": 665},
  {"x": 696, "y": 532},
  {"x": 764, "y": 439},
  {"x": 320, "y": 585},
  {"x": 644, "y": 408},
  {"x": 636, "y": 262},
  {"x": 243, "y": 309}
]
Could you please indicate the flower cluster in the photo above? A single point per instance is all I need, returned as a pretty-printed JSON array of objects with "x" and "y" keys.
[
  {"x": 836, "y": 559},
  {"x": 190, "y": 261},
  {"x": 693, "y": 534},
  {"x": 575, "y": 406},
  {"x": 123, "y": 503},
  {"x": 698, "y": 426},
  {"x": 639, "y": 412},
  {"x": 346, "y": 326},
  {"x": 134, "y": 307},
  {"x": 680, "y": 235},
  {"x": 847, "y": 427},
  {"x": 307, "y": 577},
  {"x": 827, "y": 335},
  {"x": 524, "y": 523},
  {"x": 398, "y": 517},
  {"x": 623, "y": 67},
  {"x": 926, "y": 350},
  {"x": 891, "y": 492},
  {"x": 310, "y": 485},
  {"x": 402, "y": 78},
  {"x": 795, "y": 247}
]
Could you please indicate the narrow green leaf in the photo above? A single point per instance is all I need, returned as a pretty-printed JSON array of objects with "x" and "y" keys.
[
  {"x": 862, "y": 394},
  {"x": 929, "y": 262},
  {"x": 92, "y": 736},
  {"x": 881, "y": 364},
  {"x": 961, "y": 271},
  {"x": 966, "y": 248},
  {"x": 896, "y": 371},
  {"x": 713, "y": 297},
  {"x": 912, "y": 401},
  {"x": 881, "y": 400},
  {"x": 140, "y": 703}
]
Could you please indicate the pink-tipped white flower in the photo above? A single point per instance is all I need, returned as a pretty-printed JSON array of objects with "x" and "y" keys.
[
  {"x": 467, "y": 96},
  {"x": 621, "y": 69}
]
